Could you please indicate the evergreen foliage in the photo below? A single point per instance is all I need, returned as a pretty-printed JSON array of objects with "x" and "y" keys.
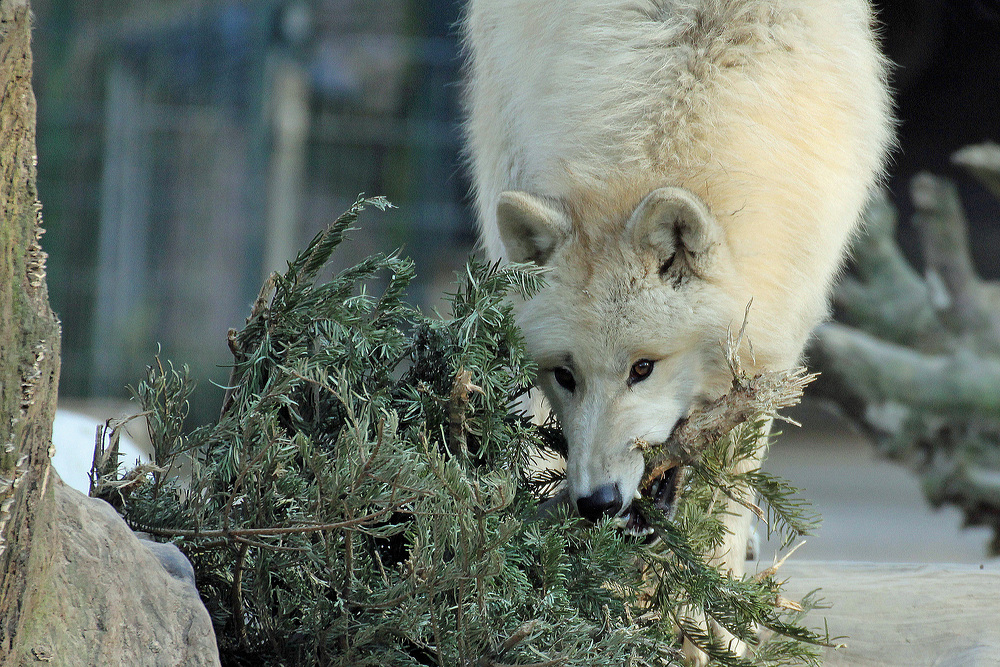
[{"x": 366, "y": 497}]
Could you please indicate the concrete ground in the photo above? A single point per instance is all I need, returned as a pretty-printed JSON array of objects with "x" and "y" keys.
[{"x": 872, "y": 510}]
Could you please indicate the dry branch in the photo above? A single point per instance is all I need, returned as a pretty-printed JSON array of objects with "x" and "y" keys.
[
  {"x": 760, "y": 396},
  {"x": 983, "y": 162}
]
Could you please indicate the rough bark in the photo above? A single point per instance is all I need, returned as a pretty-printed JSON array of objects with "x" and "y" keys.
[
  {"x": 29, "y": 341},
  {"x": 915, "y": 359}
]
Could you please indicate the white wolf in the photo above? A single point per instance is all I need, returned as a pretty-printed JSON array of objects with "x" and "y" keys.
[{"x": 670, "y": 161}]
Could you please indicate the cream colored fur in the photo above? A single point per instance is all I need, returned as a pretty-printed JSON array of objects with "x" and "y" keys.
[{"x": 773, "y": 114}]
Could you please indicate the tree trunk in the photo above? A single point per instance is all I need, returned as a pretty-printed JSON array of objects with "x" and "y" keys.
[{"x": 29, "y": 342}]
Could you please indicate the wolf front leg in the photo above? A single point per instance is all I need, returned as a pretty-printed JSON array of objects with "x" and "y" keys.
[{"x": 730, "y": 557}]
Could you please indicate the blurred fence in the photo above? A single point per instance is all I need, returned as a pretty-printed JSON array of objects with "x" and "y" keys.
[{"x": 186, "y": 149}]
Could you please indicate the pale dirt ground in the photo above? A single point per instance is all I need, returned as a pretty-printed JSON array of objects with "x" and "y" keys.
[{"x": 872, "y": 510}]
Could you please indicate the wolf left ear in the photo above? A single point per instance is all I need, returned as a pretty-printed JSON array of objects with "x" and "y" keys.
[{"x": 679, "y": 228}]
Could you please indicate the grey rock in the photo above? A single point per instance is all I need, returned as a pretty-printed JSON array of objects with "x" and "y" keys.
[
  {"x": 173, "y": 561},
  {"x": 110, "y": 598}
]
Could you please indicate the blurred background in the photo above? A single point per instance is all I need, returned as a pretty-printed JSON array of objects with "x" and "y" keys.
[{"x": 187, "y": 148}]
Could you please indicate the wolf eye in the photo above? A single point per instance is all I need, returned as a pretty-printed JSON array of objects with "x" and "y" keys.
[
  {"x": 640, "y": 371},
  {"x": 565, "y": 378}
]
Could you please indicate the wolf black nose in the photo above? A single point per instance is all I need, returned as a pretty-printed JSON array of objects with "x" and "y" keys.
[{"x": 605, "y": 501}]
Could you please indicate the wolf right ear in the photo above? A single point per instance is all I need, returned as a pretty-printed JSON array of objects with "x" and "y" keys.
[
  {"x": 531, "y": 228},
  {"x": 676, "y": 225}
]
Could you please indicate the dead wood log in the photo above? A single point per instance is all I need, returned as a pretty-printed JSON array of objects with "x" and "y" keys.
[{"x": 914, "y": 359}]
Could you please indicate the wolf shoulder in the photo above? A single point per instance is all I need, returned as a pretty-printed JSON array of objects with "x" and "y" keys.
[{"x": 751, "y": 104}]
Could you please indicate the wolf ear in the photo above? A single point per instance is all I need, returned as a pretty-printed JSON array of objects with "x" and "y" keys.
[
  {"x": 531, "y": 228},
  {"x": 676, "y": 225}
]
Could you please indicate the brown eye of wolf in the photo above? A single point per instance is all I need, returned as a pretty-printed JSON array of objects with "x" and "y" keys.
[
  {"x": 565, "y": 378},
  {"x": 640, "y": 371}
]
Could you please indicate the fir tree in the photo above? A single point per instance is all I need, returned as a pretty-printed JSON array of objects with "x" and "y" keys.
[{"x": 366, "y": 496}]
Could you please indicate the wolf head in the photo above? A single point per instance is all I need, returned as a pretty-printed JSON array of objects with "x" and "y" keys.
[{"x": 628, "y": 332}]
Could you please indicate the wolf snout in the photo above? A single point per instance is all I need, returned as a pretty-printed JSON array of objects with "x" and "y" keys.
[{"x": 606, "y": 501}]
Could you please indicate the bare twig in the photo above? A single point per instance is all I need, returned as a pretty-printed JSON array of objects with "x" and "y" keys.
[
  {"x": 458, "y": 403},
  {"x": 765, "y": 573},
  {"x": 887, "y": 294},
  {"x": 283, "y": 530},
  {"x": 265, "y": 545},
  {"x": 347, "y": 591},
  {"x": 236, "y": 598}
]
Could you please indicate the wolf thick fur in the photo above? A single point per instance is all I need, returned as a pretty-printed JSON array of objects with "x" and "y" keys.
[{"x": 671, "y": 161}]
